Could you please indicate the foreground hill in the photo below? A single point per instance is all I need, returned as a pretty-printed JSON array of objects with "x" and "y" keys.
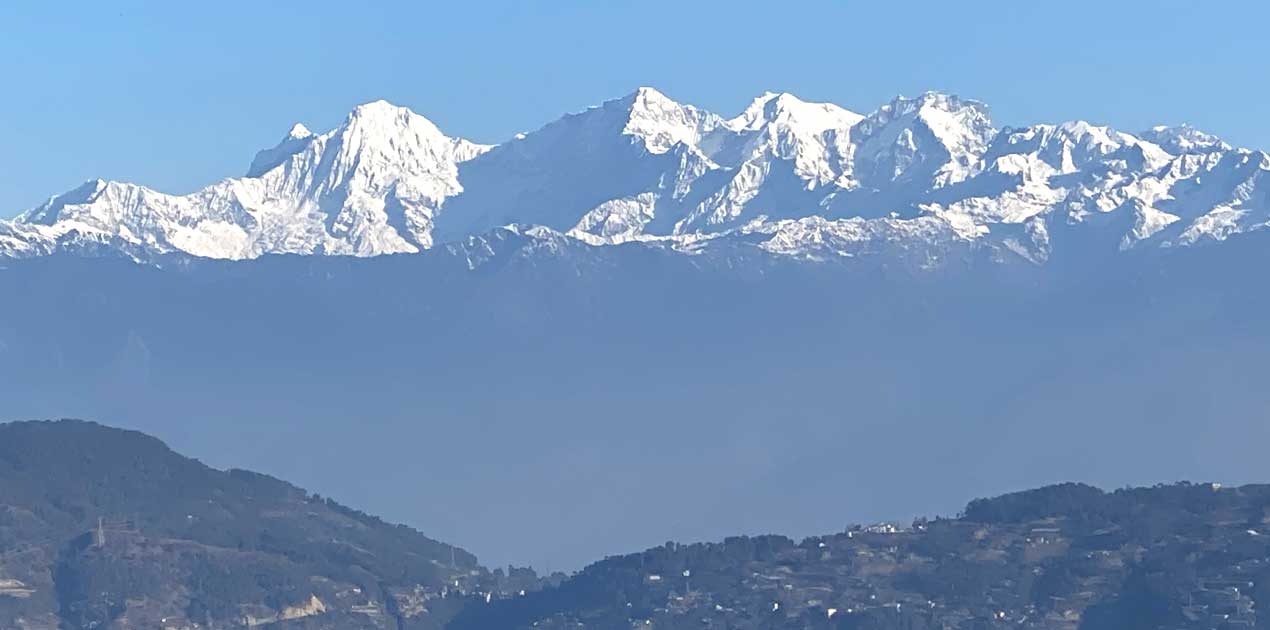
[
  {"x": 109, "y": 529},
  {"x": 1062, "y": 557}
]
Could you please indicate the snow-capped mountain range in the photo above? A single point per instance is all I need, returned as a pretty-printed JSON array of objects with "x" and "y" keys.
[{"x": 810, "y": 180}]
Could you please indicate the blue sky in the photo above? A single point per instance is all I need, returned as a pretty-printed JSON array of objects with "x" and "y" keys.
[{"x": 177, "y": 95}]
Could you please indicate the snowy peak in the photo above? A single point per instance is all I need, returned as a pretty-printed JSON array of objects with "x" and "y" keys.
[
  {"x": 934, "y": 139},
  {"x": 379, "y": 129},
  {"x": 1072, "y": 146},
  {"x": 295, "y": 141},
  {"x": 370, "y": 186},
  {"x": 50, "y": 211},
  {"x": 787, "y": 110},
  {"x": 645, "y": 117},
  {"x": 377, "y": 180},
  {"x": 761, "y": 111},
  {"x": 1184, "y": 140},
  {"x": 660, "y": 122},
  {"x": 780, "y": 128},
  {"x": 918, "y": 175},
  {"x": 955, "y": 119},
  {"x": 959, "y": 124},
  {"x": 398, "y": 138},
  {"x": 299, "y": 132},
  {"x": 379, "y": 149},
  {"x": 386, "y": 128},
  {"x": 601, "y": 171},
  {"x": 381, "y": 118}
]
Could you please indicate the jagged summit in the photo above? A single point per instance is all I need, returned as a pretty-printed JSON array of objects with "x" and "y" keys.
[
  {"x": 266, "y": 159},
  {"x": 378, "y": 107},
  {"x": 381, "y": 121},
  {"x": 760, "y": 110},
  {"x": 646, "y": 96},
  {"x": 771, "y": 107},
  {"x": 1072, "y": 146},
  {"x": 299, "y": 132},
  {"x": 944, "y": 113},
  {"x": 661, "y": 122},
  {"x": 932, "y": 139},
  {"x": 49, "y": 212},
  {"x": 1184, "y": 139},
  {"x": 646, "y": 167}
]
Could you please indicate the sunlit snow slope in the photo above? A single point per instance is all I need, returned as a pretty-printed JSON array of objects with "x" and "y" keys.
[{"x": 789, "y": 177}]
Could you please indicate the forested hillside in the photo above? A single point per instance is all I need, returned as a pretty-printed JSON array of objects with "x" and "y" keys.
[
  {"x": 108, "y": 529},
  {"x": 1067, "y": 556},
  {"x": 102, "y": 528}
]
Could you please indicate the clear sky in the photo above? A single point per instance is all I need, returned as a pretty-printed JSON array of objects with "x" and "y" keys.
[{"x": 176, "y": 95}]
